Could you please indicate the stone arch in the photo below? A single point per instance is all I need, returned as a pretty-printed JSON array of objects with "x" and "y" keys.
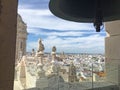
[{"x": 8, "y": 13}]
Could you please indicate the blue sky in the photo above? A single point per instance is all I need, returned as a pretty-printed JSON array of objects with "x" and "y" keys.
[{"x": 67, "y": 36}]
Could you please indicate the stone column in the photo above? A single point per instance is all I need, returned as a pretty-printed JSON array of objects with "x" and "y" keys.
[
  {"x": 41, "y": 79},
  {"x": 40, "y": 52},
  {"x": 54, "y": 67},
  {"x": 112, "y": 52},
  {"x": 53, "y": 54},
  {"x": 8, "y": 20}
]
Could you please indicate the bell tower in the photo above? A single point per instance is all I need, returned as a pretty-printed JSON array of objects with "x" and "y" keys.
[{"x": 21, "y": 38}]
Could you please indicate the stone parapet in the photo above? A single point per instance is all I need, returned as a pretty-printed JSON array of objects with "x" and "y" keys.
[
  {"x": 113, "y": 73},
  {"x": 30, "y": 80}
]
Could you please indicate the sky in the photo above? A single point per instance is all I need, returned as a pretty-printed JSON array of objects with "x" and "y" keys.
[{"x": 67, "y": 36}]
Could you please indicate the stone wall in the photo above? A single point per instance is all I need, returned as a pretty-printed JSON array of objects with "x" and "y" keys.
[
  {"x": 21, "y": 38},
  {"x": 8, "y": 20},
  {"x": 112, "y": 52}
]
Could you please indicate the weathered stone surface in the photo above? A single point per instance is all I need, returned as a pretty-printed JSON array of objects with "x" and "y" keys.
[
  {"x": 112, "y": 52},
  {"x": 7, "y": 43},
  {"x": 112, "y": 47},
  {"x": 113, "y": 27},
  {"x": 21, "y": 38}
]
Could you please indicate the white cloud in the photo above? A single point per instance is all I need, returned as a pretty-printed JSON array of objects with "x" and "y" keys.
[
  {"x": 43, "y": 18},
  {"x": 40, "y": 31},
  {"x": 68, "y": 33},
  {"x": 90, "y": 44}
]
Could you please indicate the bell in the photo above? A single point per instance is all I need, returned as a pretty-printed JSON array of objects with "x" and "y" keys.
[{"x": 96, "y": 11}]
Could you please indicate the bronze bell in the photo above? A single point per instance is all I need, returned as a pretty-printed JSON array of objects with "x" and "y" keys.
[{"x": 96, "y": 11}]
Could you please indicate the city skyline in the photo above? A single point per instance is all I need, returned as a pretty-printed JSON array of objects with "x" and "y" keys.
[{"x": 67, "y": 36}]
